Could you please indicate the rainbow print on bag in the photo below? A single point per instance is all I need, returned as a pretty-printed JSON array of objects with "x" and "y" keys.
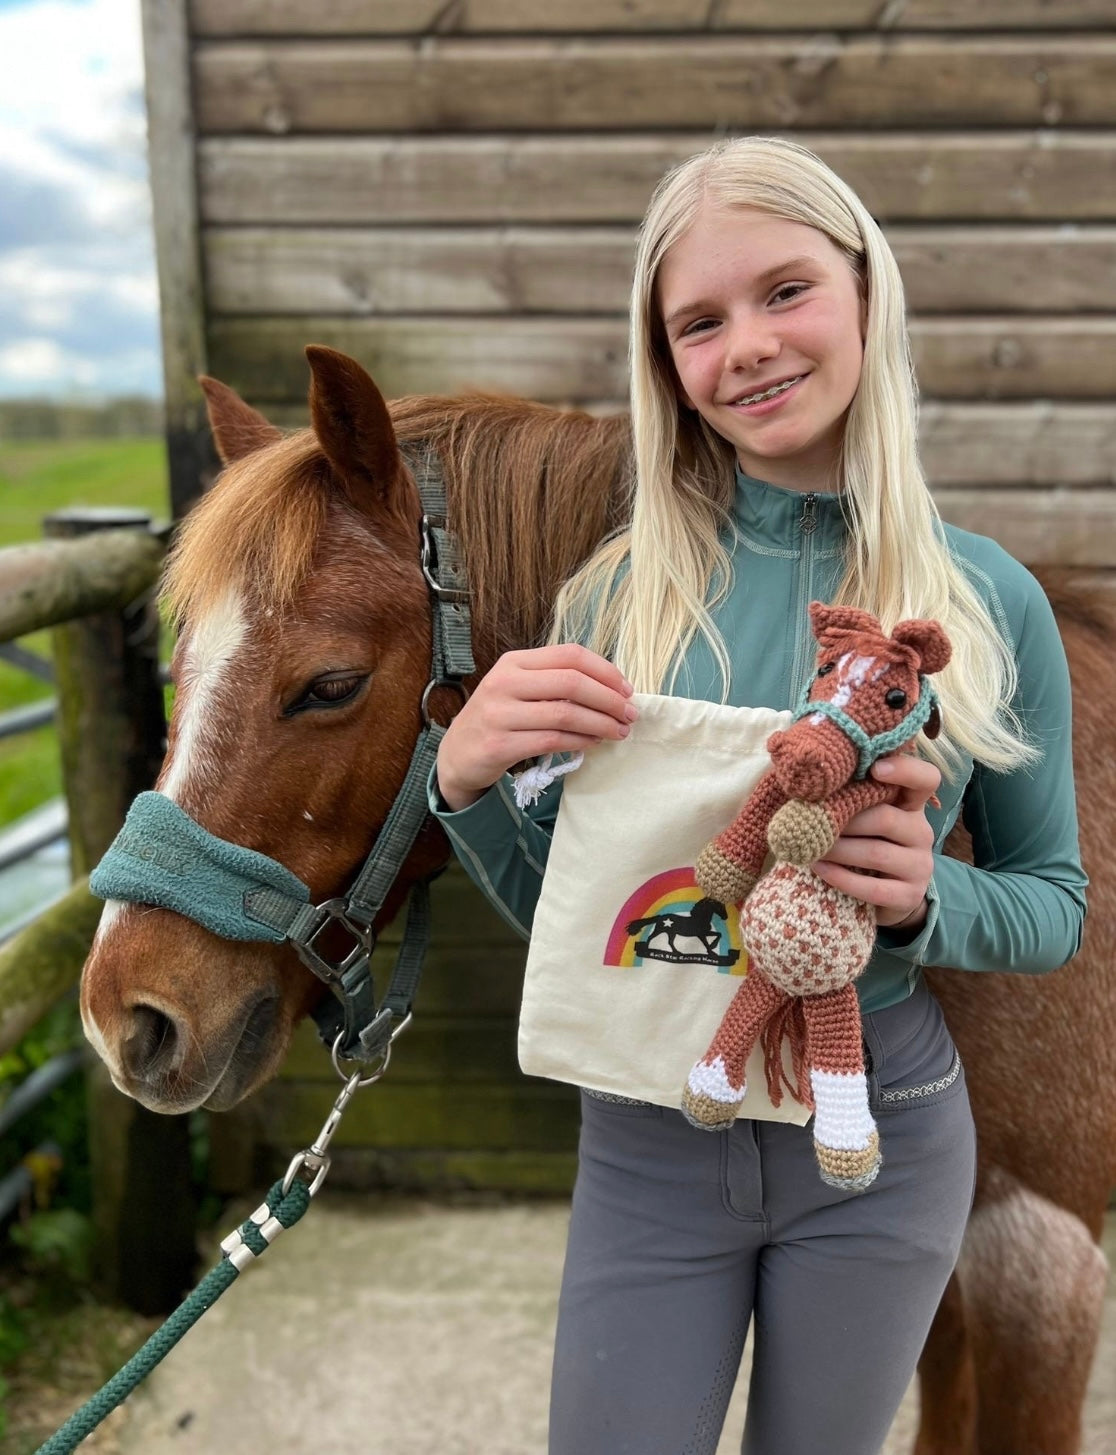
[{"x": 669, "y": 918}]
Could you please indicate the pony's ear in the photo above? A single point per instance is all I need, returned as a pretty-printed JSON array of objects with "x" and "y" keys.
[
  {"x": 928, "y": 639},
  {"x": 353, "y": 426},
  {"x": 839, "y": 620},
  {"x": 237, "y": 428}
]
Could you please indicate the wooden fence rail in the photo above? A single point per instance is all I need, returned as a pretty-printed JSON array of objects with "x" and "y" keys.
[
  {"x": 42, "y": 585},
  {"x": 53, "y": 581},
  {"x": 91, "y": 581}
]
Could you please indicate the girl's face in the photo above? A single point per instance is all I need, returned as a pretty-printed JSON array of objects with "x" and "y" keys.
[{"x": 752, "y": 304}]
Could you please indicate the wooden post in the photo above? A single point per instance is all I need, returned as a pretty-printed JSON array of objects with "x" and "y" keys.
[
  {"x": 191, "y": 458},
  {"x": 111, "y": 728}
]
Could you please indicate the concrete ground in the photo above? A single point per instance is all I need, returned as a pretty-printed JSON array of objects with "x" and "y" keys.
[{"x": 388, "y": 1326}]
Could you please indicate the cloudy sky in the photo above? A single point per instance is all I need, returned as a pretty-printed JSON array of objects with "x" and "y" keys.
[{"x": 78, "y": 297}]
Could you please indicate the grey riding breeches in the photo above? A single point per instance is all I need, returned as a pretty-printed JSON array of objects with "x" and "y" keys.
[{"x": 682, "y": 1239}]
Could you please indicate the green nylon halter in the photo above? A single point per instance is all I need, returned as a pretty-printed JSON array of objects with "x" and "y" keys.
[
  {"x": 163, "y": 857},
  {"x": 871, "y": 748}
]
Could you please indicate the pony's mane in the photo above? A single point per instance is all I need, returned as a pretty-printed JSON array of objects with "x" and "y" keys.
[{"x": 530, "y": 490}]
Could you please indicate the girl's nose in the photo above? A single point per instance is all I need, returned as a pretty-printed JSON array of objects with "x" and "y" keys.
[{"x": 750, "y": 343}]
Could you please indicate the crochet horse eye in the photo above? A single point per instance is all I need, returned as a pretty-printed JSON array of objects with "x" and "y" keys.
[
  {"x": 825, "y": 669},
  {"x": 896, "y": 697}
]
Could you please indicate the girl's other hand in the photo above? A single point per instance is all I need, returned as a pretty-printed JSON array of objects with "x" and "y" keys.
[
  {"x": 885, "y": 856},
  {"x": 559, "y": 699}
]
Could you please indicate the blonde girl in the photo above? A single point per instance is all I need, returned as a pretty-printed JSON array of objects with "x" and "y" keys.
[{"x": 775, "y": 446}]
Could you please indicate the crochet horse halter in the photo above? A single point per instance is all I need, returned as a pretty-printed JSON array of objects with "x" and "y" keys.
[{"x": 869, "y": 748}]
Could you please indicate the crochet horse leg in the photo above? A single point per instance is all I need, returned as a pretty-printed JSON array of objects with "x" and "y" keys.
[
  {"x": 846, "y": 1142},
  {"x": 716, "y": 1084}
]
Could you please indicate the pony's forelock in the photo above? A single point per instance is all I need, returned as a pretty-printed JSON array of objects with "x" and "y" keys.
[{"x": 254, "y": 532}]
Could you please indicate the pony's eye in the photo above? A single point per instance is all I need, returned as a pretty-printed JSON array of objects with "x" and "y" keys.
[
  {"x": 896, "y": 698},
  {"x": 329, "y": 692},
  {"x": 825, "y": 669}
]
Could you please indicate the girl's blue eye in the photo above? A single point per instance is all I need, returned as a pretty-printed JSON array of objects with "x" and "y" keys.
[
  {"x": 788, "y": 292},
  {"x": 699, "y": 325}
]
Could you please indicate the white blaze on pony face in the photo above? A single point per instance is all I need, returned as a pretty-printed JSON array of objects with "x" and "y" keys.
[
  {"x": 112, "y": 914},
  {"x": 206, "y": 664},
  {"x": 852, "y": 672},
  {"x": 113, "y": 911}
]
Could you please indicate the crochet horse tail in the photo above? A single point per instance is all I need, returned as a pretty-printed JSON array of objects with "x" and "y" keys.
[{"x": 789, "y": 1021}]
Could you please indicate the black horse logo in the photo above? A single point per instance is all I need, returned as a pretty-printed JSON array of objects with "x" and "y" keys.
[{"x": 663, "y": 932}]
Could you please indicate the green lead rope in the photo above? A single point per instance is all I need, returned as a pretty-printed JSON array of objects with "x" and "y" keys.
[{"x": 281, "y": 1210}]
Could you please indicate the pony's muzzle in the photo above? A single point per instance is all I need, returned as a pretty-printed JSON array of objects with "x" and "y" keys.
[{"x": 161, "y": 1065}]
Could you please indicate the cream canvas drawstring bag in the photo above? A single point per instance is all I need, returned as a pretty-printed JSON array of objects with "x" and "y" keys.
[{"x": 630, "y": 967}]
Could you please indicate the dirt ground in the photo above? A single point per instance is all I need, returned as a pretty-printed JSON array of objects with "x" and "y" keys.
[{"x": 390, "y": 1326}]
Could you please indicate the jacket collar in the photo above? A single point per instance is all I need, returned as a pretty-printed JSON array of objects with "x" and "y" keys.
[{"x": 773, "y": 516}]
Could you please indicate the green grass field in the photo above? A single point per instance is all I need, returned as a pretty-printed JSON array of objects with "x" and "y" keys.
[{"x": 37, "y": 477}]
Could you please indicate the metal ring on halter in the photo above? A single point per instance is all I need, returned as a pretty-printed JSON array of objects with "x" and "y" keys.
[
  {"x": 458, "y": 687},
  {"x": 380, "y": 1069}
]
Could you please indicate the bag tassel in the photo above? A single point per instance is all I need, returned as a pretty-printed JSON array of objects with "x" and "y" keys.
[{"x": 531, "y": 783}]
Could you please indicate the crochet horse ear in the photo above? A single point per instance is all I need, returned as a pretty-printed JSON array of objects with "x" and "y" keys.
[
  {"x": 839, "y": 621},
  {"x": 928, "y": 639}
]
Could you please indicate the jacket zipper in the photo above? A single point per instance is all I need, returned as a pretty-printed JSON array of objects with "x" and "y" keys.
[{"x": 807, "y": 525}]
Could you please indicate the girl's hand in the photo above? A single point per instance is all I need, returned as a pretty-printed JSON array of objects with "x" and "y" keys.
[
  {"x": 546, "y": 700},
  {"x": 890, "y": 845}
]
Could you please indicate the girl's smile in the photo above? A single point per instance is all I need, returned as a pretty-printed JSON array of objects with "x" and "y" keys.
[
  {"x": 766, "y": 399},
  {"x": 764, "y": 322}
]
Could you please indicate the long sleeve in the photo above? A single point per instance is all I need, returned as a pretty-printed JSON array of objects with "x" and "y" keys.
[
  {"x": 1021, "y": 905},
  {"x": 503, "y": 848}
]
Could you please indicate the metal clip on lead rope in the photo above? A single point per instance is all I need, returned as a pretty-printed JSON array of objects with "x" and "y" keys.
[{"x": 312, "y": 1164}]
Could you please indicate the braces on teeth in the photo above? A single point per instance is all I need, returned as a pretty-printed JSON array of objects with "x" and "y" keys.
[{"x": 769, "y": 393}]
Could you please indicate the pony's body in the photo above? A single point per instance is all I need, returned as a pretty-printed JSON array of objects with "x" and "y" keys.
[{"x": 303, "y": 653}]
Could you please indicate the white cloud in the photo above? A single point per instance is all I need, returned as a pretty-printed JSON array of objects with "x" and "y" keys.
[
  {"x": 73, "y": 181},
  {"x": 33, "y": 276},
  {"x": 37, "y": 361}
]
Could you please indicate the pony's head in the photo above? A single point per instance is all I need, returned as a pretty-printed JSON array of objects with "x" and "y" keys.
[
  {"x": 303, "y": 650},
  {"x": 868, "y": 697}
]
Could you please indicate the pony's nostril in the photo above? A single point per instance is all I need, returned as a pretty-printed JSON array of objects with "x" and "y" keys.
[{"x": 152, "y": 1043}]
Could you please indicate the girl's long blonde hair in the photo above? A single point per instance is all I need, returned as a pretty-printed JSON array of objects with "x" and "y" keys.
[{"x": 648, "y": 591}]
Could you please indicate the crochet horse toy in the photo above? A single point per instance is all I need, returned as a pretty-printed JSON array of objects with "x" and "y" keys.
[{"x": 807, "y": 942}]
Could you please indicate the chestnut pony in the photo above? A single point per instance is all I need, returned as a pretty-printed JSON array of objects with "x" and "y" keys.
[{"x": 303, "y": 651}]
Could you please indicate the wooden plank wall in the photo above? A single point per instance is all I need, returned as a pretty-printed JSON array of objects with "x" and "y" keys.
[
  {"x": 449, "y": 189},
  {"x": 450, "y": 192}
]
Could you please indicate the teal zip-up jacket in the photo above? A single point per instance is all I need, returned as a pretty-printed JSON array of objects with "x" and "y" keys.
[{"x": 1019, "y": 907}]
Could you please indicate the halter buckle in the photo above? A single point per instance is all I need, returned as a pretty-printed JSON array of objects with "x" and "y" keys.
[
  {"x": 333, "y": 972},
  {"x": 429, "y": 561}
]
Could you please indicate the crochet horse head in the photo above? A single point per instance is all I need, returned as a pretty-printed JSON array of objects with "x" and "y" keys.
[{"x": 807, "y": 942}]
